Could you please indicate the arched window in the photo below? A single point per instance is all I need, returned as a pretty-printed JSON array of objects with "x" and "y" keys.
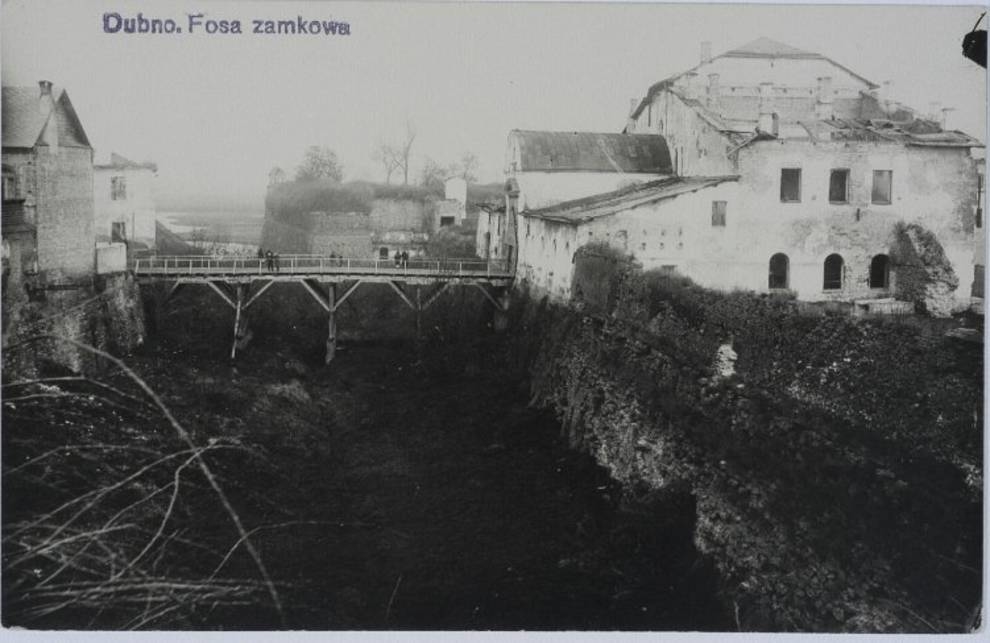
[
  {"x": 779, "y": 269},
  {"x": 880, "y": 272},
  {"x": 833, "y": 272}
]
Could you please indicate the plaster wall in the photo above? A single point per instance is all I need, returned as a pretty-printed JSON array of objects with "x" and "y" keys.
[{"x": 137, "y": 210}]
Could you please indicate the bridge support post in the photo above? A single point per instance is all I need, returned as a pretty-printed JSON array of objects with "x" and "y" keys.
[
  {"x": 419, "y": 314},
  {"x": 237, "y": 320},
  {"x": 501, "y": 318},
  {"x": 331, "y": 323}
]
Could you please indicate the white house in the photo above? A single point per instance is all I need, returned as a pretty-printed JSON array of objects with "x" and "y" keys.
[{"x": 124, "y": 194}]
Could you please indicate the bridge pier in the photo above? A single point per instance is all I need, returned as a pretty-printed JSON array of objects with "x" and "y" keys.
[{"x": 331, "y": 323}]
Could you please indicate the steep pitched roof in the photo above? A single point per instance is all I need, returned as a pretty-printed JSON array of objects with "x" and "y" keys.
[
  {"x": 767, "y": 48},
  {"x": 22, "y": 122},
  {"x": 593, "y": 152},
  {"x": 592, "y": 207}
]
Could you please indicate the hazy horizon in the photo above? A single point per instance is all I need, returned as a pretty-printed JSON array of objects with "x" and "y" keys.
[{"x": 217, "y": 112}]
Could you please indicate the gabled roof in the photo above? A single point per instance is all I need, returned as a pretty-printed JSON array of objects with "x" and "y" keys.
[
  {"x": 23, "y": 122},
  {"x": 759, "y": 48},
  {"x": 592, "y": 152},
  {"x": 767, "y": 48},
  {"x": 118, "y": 162},
  {"x": 588, "y": 208}
]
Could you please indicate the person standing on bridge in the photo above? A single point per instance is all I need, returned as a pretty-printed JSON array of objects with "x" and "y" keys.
[
  {"x": 270, "y": 261},
  {"x": 276, "y": 262},
  {"x": 398, "y": 259},
  {"x": 405, "y": 259}
]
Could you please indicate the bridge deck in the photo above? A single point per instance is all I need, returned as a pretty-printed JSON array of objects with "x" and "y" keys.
[{"x": 295, "y": 267}]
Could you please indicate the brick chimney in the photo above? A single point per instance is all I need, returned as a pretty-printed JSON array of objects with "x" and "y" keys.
[
  {"x": 823, "y": 102},
  {"x": 765, "y": 121},
  {"x": 886, "y": 99},
  {"x": 706, "y": 52},
  {"x": 46, "y": 103},
  {"x": 713, "y": 92},
  {"x": 690, "y": 85}
]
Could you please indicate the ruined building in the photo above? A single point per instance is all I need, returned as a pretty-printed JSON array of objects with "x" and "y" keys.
[{"x": 784, "y": 171}]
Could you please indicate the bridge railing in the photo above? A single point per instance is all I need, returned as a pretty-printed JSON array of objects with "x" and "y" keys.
[{"x": 314, "y": 264}]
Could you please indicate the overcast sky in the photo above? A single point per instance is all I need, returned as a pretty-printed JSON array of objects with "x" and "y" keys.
[{"x": 216, "y": 112}]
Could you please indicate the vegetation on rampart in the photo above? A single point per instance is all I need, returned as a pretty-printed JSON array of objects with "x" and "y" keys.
[{"x": 837, "y": 474}]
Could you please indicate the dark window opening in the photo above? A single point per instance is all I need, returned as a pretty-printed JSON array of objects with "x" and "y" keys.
[
  {"x": 880, "y": 272},
  {"x": 9, "y": 185},
  {"x": 838, "y": 186},
  {"x": 977, "y": 290},
  {"x": 446, "y": 221},
  {"x": 779, "y": 268},
  {"x": 118, "y": 231},
  {"x": 718, "y": 213},
  {"x": 882, "y": 186},
  {"x": 118, "y": 188},
  {"x": 383, "y": 253},
  {"x": 833, "y": 273},
  {"x": 790, "y": 185}
]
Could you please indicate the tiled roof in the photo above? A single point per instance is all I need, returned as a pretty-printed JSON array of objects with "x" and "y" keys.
[
  {"x": 600, "y": 205},
  {"x": 23, "y": 122},
  {"x": 593, "y": 152}
]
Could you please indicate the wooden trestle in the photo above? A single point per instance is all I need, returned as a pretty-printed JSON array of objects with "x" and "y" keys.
[{"x": 240, "y": 289}]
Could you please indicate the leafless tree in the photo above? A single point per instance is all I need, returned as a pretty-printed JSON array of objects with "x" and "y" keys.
[
  {"x": 389, "y": 158},
  {"x": 467, "y": 167},
  {"x": 405, "y": 151}
]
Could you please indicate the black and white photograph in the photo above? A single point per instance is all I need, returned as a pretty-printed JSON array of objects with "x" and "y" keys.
[{"x": 448, "y": 318}]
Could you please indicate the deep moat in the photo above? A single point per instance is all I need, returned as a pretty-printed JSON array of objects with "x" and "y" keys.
[{"x": 412, "y": 498}]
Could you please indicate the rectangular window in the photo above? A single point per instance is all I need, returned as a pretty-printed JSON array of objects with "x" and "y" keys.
[
  {"x": 979, "y": 200},
  {"x": 790, "y": 185},
  {"x": 118, "y": 232},
  {"x": 9, "y": 192},
  {"x": 882, "y": 183},
  {"x": 977, "y": 290},
  {"x": 838, "y": 187},
  {"x": 118, "y": 188},
  {"x": 718, "y": 213}
]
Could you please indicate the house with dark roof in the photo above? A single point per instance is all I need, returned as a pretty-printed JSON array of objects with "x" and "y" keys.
[
  {"x": 124, "y": 193},
  {"x": 544, "y": 168},
  {"x": 47, "y": 164},
  {"x": 836, "y": 184}
]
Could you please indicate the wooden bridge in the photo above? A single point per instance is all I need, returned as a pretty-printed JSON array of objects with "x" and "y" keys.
[{"x": 240, "y": 281}]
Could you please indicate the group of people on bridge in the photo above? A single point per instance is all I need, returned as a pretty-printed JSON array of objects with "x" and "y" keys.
[{"x": 270, "y": 258}]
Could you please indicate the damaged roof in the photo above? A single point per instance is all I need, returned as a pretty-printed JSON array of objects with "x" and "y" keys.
[
  {"x": 542, "y": 151},
  {"x": 118, "y": 162},
  {"x": 23, "y": 122},
  {"x": 917, "y": 132},
  {"x": 588, "y": 208}
]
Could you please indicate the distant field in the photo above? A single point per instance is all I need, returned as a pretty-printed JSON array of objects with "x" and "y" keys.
[{"x": 233, "y": 227}]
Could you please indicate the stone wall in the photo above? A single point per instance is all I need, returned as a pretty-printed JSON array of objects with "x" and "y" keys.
[
  {"x": 64, "y": 211},
  {"x": 108, "y": 316},
  {"x": 837, "y": 472}
]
